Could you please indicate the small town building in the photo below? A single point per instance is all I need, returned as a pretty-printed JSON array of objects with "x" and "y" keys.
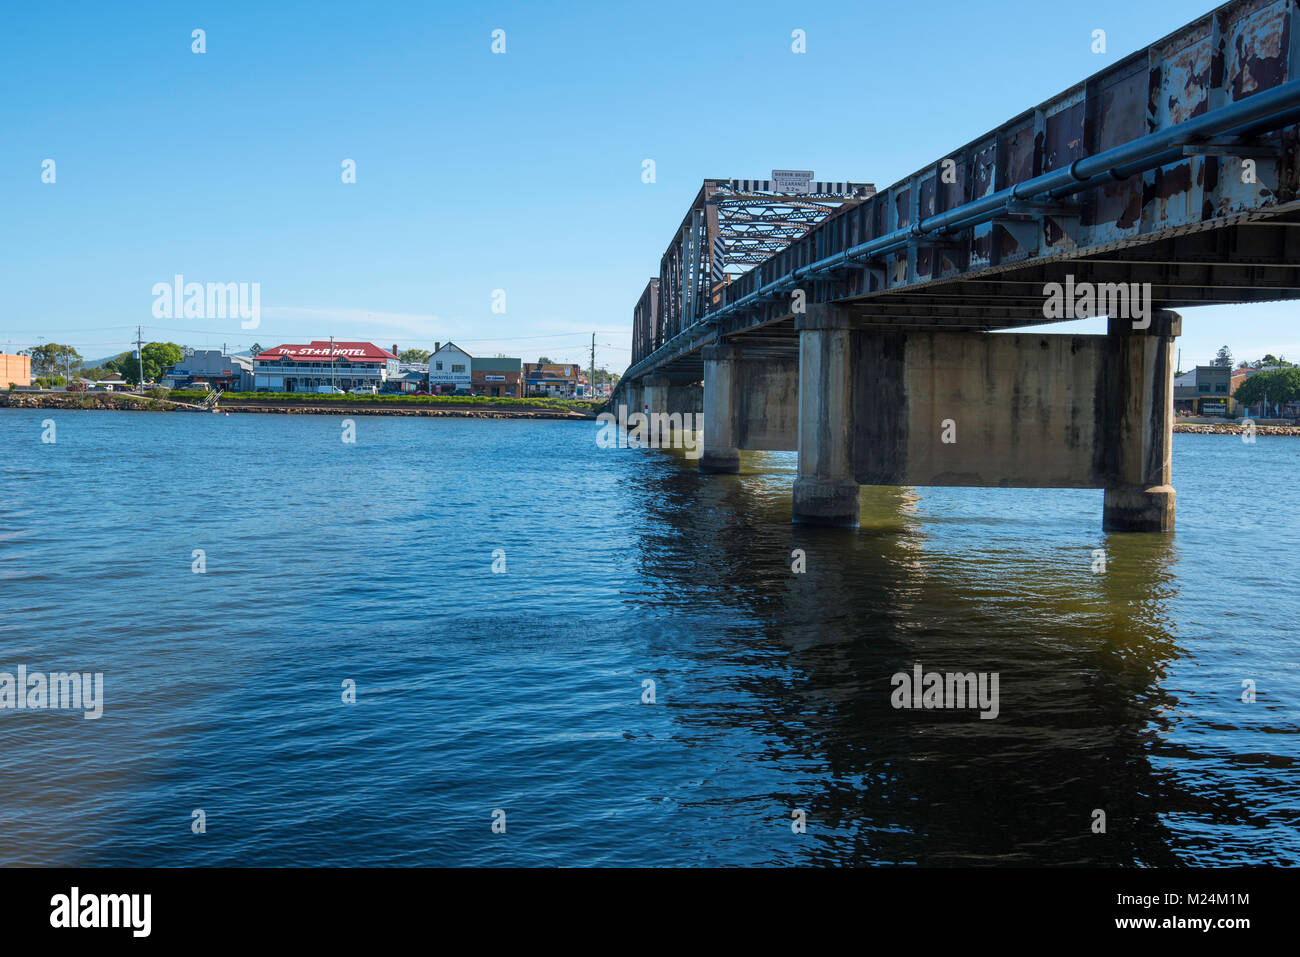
[
  {"x": 409, "y": 379},
  {"x": 15, "y": 370},
  {"x": 213, "y": 369},
  {"x": 320, "y": 364},
  {"x": 551, "y": 378},
  {"x": 113, "y": 382},
  {"x": 498, "y": 377},
  {"x": 449, "y": 368},
  {"x": 1214, "y": 390}
]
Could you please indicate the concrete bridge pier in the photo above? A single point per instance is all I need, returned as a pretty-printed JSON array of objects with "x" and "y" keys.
[
  {"x": 721, "y": 454},
  {"x": 632, "y": 396},
  {"x": 654, "y": 394},
  {"x": 1140, "y": 498},
  {"x": 826, "y": 489}
]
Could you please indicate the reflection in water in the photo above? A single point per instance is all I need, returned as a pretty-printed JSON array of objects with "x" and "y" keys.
[
  {"x": 1081, "y": 657},
  {"x": 1118, "y": 691}
]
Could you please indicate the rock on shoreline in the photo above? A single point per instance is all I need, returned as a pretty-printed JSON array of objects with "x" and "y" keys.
[
  {"x": 1204, "y": 429},
  {"x": 84, "y": 400},
  {"x": 76, "y": 401}
]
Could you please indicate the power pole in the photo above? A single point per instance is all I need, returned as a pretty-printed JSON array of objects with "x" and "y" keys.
[
  {"x": 331, "y": 365},
  {"x": 139, "y": 359},
  {"x": 591, "y": 379}
]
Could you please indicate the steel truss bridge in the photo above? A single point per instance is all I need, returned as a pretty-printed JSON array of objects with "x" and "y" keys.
[{"x": 1176, "y": 166}]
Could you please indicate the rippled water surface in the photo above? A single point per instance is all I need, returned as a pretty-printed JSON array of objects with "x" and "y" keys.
[{"x": 522, "y": 691}]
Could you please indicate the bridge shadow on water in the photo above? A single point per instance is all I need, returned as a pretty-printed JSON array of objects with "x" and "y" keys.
[{"x": 996, "y": 581}]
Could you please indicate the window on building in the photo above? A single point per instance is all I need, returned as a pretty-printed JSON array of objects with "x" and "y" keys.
[
  {"x": 439, "y": 366},
  {"x": 456, "y": 368},
  {"x": 1203, "y": 387},
  {"x": 1220, "y": 388}
]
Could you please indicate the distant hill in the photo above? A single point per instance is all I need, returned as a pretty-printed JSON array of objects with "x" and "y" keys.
[{"x": 97, "y": 363}]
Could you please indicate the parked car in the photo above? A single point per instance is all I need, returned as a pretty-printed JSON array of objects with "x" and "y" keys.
[
  {"x": 329, "y": 390},
  {"x": 363, "y": 390}
]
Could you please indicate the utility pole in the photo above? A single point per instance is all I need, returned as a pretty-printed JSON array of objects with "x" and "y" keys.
[
  {"x": 331, "y": 365},
  {"x": 591, "y": 379},
  {"x": 139, "y": 360}
]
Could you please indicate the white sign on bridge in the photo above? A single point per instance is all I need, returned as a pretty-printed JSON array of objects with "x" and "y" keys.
[{"x": 792, "y": 180}]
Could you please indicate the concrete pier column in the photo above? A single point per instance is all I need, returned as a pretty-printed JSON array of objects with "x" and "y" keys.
[
  {"x": 826, "y": 491},
  {"x": 632, "y": 397},
  {"x": 654, "y": 393},
  {"x": 720, "y": 454},
  {"x": 1141, "y": 498}
]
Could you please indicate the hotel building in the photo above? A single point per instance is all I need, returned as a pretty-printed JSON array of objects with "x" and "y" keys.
[{"x": 304, "y": 368}]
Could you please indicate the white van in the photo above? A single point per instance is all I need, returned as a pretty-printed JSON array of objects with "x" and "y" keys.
[
  {"x": 328, "y": 390},
  {"x": 363, "y": 390}
]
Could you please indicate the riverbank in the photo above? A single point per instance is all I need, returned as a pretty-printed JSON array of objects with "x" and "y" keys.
[
  {"x": 1234, "y": 429},
  {"x": 88, "y": 400},
  {"x": 362, "y": 408},
  {"x": 428, "y": 406},
  {"x": 425, "y": 406}
]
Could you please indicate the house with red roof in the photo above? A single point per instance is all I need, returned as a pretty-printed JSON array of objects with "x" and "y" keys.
[{"x": 307, "y": 367}]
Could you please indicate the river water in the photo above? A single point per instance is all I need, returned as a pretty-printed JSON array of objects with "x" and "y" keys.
[{"x": 520, "y": 695}]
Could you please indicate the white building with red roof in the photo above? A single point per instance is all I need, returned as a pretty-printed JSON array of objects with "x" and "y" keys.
[{"x": 306, "y": 368}]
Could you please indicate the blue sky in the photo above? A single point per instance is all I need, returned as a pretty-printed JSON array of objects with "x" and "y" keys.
[{"x": 477, "y": 171}]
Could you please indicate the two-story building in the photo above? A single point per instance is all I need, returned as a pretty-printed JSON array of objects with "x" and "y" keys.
[
  {"x": 497, "y": 377},
  {"x": 306, "y": 368},
  {"x": 551, "y": 378},
  {"x": 1214, "y": 390},
  {"x": 449, "y": 368}
]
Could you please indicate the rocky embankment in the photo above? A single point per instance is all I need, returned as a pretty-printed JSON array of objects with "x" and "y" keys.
[
  {"x": 339, "y": 408},
  {"x": 84, "y": 400},
  {"x": 126, "y": 401},
  {"x": 1203, "y": 429}
]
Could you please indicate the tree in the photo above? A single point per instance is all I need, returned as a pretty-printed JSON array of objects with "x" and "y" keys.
[
  {"x": 1276, "y": 388},
  {"x": 1269, "y": 360},
  {"x": 255, "y": 349},
  {"x": 414, "y": 355},
  {"x": 545, "y": 361},
  {"x": 52, "y": 358},
  {"x": 157, "y": 356},
  {"x": 1224, "y": 358},
  {"x": 117, "y": 365}
]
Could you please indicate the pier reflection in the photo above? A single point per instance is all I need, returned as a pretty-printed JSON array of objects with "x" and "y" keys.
[{"x": 1080, "y": 652}]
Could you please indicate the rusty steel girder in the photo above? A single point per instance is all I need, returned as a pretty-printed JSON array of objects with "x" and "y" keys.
[{"x": 1176, "y": 166}]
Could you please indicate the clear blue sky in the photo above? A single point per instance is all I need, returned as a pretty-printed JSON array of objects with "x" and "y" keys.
[{"x": 477, "y": 171}]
